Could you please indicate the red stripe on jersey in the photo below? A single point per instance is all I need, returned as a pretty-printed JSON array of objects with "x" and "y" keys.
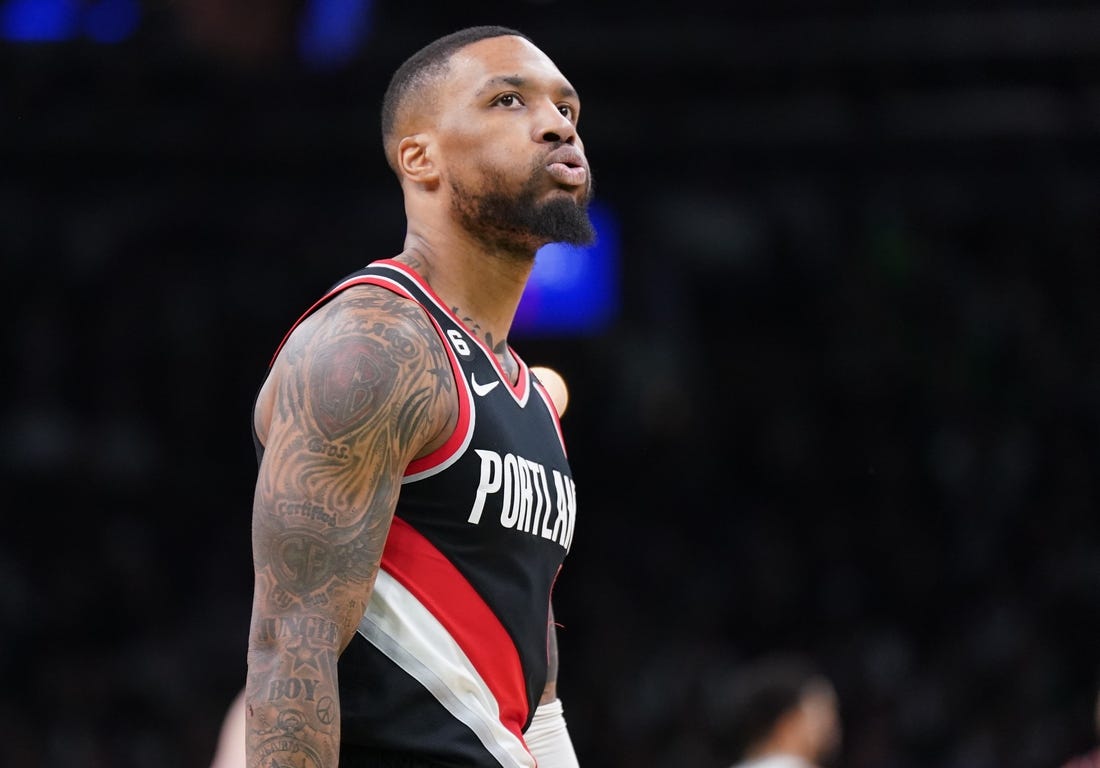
[
  {"x": 440, "y": 587},
  {"x": 553, "y": 412}
]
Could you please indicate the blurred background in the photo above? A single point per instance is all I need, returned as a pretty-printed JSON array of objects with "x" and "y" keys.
[{"x": 836, "y": 389}]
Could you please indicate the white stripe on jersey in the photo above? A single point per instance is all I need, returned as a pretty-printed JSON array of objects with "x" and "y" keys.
[{"x": 399, "y": 625}]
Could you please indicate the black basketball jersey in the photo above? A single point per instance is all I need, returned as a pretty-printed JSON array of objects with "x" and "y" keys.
[{"x": 451, "y": 655}]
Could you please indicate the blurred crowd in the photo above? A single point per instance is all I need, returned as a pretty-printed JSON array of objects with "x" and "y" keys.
[{"x": 850, "y": 408}]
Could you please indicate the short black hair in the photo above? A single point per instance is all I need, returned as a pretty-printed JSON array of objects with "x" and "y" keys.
[
  {"x": 747, "y": 704},
  {"x": 429, "y": 61}
]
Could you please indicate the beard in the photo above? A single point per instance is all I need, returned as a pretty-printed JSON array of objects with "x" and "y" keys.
[{"x": 518, "y": 223}]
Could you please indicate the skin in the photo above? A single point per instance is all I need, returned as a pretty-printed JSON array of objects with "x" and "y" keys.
[
  {"x": 810, "y": 730},
  {"x": 229, "y": 751},
  {"x": 364, "y": 386}
]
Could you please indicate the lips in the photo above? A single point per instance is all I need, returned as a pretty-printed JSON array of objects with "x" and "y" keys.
[
  {"x": 566, "y": 166},
  {"x": 573, "y": 176}
]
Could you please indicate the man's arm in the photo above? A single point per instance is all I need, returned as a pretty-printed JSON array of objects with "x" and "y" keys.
[
  {"x": 550, "y": 691},
  {"x": 361, "y": 389},
  {"x": 548, "y": 737}
]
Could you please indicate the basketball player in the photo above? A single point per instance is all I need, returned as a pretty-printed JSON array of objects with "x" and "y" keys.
[
  {"x": 414, "y": 503},
  {"x": 777, "y": 712}
]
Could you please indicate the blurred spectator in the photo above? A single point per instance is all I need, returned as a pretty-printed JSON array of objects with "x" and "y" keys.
[
  {"x": 779, "y": 711},
  {"x": 230, "y": 749},
  {"x": 1090, "y": 759},
  {"x": 244, "y": 33}
]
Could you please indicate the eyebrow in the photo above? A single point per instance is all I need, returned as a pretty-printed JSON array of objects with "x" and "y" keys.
[{"x": 516, "y": 81}]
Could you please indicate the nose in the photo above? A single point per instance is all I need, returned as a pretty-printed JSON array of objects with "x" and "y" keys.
[{"x": 553, "y": 127}]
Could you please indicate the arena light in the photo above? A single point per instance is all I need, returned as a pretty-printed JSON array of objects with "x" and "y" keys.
[
  {"x": 39, "y": 21},
  {"x": 55, "y": 21},
  {"x": 111, "y": 21},
  {"x": 333, "y": 31},
  {"x": 574, "y": 290}
]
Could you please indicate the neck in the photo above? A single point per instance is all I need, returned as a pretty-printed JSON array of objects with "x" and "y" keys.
[{"x": 481, "y": 286}]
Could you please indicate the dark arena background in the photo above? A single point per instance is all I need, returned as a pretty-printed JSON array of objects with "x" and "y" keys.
[{"x": 839, "y": 395}]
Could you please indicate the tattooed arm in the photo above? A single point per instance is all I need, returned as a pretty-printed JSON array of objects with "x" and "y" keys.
[{"x": 362, "y": 387}]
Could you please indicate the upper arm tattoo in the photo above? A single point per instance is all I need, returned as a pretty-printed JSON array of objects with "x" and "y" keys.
[
  {"x": 363, "y": 389},
  {"x": 363, "y": 386}
]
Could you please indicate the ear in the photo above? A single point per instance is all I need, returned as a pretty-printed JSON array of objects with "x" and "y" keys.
[{"x": 416, "y": 160}]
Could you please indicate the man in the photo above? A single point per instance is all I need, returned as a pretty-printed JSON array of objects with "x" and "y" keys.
[
  {"x": 414, "y": 502},
  {"x": 777, "y": 712}
]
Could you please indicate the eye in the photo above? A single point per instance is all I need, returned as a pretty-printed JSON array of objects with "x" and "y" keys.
[
  {"x": 567, "y": 111},
  {"x": 507, "y": 100}
]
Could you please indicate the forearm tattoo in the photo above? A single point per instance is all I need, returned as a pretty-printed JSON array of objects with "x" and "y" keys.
[{"x": 363, "y": 386}]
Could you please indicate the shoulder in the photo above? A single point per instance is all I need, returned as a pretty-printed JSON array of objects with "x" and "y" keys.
[
  {"x": 363, "y": 319},
  {"x": 365, "y": 308},
  {"x": 364, "y": 353}
]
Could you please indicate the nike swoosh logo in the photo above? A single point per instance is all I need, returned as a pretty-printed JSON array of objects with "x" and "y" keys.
[{"x": 481, "y": 390}]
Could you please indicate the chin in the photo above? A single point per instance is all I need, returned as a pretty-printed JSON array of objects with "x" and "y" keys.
[{"x": 578, "y": 195}]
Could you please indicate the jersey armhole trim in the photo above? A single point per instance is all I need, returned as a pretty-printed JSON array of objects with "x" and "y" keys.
[{"x": 521, "y": 389}]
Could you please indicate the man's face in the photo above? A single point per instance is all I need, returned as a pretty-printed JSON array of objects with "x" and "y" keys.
[{"x": 512, "y": 158}]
